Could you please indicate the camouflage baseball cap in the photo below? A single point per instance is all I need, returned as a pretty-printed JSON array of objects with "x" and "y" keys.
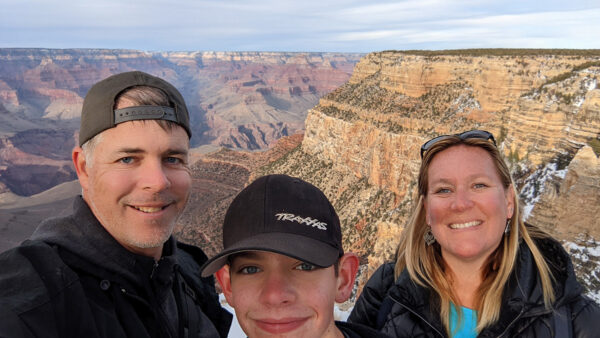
[{"x": 98, "y": 113}]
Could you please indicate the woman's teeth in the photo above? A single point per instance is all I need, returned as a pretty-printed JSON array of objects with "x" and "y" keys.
[{"x": 464, "y": 225}]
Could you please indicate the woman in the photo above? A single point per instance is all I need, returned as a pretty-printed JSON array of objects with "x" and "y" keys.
[{"x": 467, "y": 265}]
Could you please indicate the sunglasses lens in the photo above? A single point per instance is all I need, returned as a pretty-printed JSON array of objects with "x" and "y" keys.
[
  {"x": 476, "y": 134},
  {"x": 480, "y": 134}
]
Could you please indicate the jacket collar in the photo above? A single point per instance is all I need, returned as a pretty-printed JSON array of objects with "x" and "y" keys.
[
  {"x": 82, "y": 235},
  {"x": 522, "y": 296}
]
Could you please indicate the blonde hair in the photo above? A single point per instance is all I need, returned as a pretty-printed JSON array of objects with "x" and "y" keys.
[{"x": 425, "y": 264}]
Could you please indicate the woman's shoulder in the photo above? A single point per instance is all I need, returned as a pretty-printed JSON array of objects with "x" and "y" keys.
[
  {"x": 368, "y": 304},
  {"x": 383, "y": 276},
  {"x": 585, "y": 313}
]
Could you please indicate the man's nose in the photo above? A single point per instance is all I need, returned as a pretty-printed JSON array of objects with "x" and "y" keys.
[{"x": 154, "y": 176}]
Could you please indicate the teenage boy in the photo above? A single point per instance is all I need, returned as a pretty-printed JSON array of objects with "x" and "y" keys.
[{"x": 283, "y": 266}]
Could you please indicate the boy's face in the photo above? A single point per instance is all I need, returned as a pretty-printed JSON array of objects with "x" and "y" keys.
[{"x": 276, "y": 295}]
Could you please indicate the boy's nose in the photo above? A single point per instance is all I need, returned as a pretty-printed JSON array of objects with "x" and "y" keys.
[{"x": 277, "y": 290}]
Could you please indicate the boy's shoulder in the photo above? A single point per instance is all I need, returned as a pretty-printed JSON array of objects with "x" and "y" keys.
[{"x": 352, "y": 330}]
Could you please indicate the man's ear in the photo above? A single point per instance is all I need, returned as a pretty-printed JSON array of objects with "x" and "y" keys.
[
  {"x": 224, "y": 280},
  {"x": 348, "y": 266},
  {"x": 80, "y": 166}
]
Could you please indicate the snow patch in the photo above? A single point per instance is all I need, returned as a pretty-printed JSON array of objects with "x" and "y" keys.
[
  {"x": 585, "y": 255},
  {"x": 535, "y": 184},
  {"x": 591, "y": 84}
]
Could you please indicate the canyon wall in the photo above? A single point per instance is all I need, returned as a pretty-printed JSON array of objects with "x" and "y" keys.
[
  {"x": 362, "y": 141},
  {"x": 243, "y": 100}
]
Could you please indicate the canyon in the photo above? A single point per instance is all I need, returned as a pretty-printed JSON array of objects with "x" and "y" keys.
[{"x": 240, "y": 100}]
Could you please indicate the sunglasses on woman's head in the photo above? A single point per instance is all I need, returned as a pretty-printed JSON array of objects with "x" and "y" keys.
[{"x": 480, "y": 134}]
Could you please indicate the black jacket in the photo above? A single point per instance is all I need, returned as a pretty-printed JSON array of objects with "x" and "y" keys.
[
  {"x": 413, "y": 313},
  {"x": 72, "y": 279},
  {"x": 353, "y": 330}
]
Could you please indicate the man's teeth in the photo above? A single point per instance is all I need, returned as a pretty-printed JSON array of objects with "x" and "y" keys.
[
  {"x": 148, "y": 209},
  {"x": 464, "y": 225}
]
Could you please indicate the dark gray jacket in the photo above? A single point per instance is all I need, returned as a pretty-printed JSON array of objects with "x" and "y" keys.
[
  {"x": 72, "y": 279},
  {"x": 412, "y": 311}
]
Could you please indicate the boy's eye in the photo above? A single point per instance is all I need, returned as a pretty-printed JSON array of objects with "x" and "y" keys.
[
  {"x": 305, "y": 267},
  {"x": 249, "y": 270}
]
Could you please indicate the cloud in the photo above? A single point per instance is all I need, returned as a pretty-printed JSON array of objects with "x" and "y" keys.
[{"x": 309, "y": 25}]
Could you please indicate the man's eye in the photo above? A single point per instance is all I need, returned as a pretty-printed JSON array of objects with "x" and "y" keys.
[
  {"x": 306, "y": 267},
  {"x": 126, "y": 160},
  {"x": 249, "y": 270},
  {"x": 173, "y": 160}
]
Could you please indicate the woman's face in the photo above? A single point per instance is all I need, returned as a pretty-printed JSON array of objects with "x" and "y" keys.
[{"x": 466, "y": 204}]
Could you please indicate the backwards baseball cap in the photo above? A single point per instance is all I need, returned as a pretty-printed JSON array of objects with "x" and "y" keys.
[
  {"x": 280, "y": 214},
  {"x": 98, "y": 113}
]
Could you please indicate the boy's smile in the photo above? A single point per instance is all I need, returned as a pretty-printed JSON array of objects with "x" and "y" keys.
[{"x": 278, "y": 296}]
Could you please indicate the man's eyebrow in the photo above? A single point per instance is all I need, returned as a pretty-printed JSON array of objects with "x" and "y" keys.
[
  {"x": 170, "y": 151},
  {"x": 177, "y": 151},
  {"x": 131, "y": 150}
]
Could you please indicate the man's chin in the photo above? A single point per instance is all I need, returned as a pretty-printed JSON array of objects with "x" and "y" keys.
[{"x": 154, "y": 239}]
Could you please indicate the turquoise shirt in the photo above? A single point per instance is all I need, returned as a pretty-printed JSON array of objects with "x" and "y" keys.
[{"x": 468, "y": 324}]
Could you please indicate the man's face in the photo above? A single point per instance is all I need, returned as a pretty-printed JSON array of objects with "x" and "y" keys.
[
  {"x": 138, "y": 183},
  {"x": 278, "y": 296}
]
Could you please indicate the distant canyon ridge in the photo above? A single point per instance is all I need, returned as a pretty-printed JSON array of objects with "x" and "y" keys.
[{"x": 240, "y": 100}]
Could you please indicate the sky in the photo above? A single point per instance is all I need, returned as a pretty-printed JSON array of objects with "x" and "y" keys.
[{"x": 299, "y": 25}]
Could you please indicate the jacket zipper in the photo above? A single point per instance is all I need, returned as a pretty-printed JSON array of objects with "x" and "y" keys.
[{"x": 513, "y": 321}]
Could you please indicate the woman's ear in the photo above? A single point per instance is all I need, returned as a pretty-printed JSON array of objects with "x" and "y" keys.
[
  {"x": 510, "y": 201},
  {"x": 347, "y": 268}
]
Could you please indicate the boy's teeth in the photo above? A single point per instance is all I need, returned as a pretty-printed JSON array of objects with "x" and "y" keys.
[
  {"x": 148, "y": 209},
  {"x": 464, "y": 225}
]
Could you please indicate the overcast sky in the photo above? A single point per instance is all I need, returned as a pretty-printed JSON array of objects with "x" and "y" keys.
[{"x": 300, "y": 25}]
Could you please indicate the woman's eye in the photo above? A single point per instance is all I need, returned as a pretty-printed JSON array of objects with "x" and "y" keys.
[
  {"x": 306, "y": 267},
  {"x": 480, "y": 185},
  {"x": 442, "y": 191},
  {"x": 248, "y": 270}
]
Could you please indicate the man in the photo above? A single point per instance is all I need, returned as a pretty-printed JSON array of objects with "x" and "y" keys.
[
  {"x": 283, "y": 266},
  {"x": 112, "y": 268}
]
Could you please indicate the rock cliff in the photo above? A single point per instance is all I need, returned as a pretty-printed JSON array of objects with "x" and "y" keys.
[{"x": 361, "y": 143}]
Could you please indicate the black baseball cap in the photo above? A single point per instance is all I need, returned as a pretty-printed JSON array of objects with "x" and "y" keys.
[
  {"x": 284, "y": 215},
  {"x": 98, "y": 114}
]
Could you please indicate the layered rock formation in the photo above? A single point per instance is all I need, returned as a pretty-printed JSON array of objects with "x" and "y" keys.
[
  {"x": 244, "y": 100},
  {"x": 361, "y": 143},
  {"x": 569, "y": 203}
]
